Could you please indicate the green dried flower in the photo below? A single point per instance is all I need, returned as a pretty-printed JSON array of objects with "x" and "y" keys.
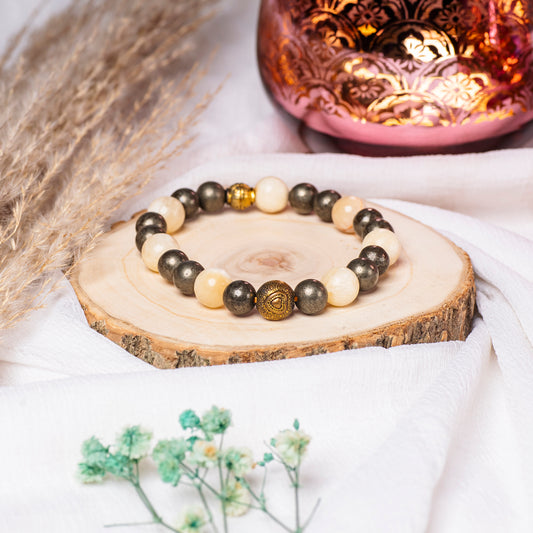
[
  {"x": 236, "y": 498},
  {"x": 94, "y": 452},
  {"x": 204, "y": 453},
  {"x": 119, "y": 465},
  {"x": 238, "y": 461},
  {"x": 168, "y": 455},
  {"x": 291, "y": 444},
  {"x": 192, "y": 521},
  {"x": 189, "y": 419},
  {"x": 215, "y": 421},
  {"x": 92, "y": 470},
  {"x": 134, "y": 442},
  {"x": 91, "y": 473}
]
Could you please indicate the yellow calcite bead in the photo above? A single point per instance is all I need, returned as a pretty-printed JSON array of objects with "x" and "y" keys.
[
  {"x": 271, "y": 195},
  {"x": 171, "y": 209},
  {"x": 209, "y": 287},
  {"x": 240, "y": 196},
  {"x": 387, "y": 240},
  {"x": 342, "y": 285},
  {"x": 344, "y": 211},
  {"x": 155, "y": 246}
]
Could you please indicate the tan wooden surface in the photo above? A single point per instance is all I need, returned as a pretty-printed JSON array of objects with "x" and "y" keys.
[{"x": 427, "y": 296}]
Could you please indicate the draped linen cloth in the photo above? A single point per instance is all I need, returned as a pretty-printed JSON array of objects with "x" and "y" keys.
[{"x": 433, "y": 437}]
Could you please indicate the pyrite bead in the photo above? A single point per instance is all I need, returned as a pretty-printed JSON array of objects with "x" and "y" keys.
[
  {"x": 301, "y": 198},
  {"x": 239, "y": 297},
  {"x": 387, "y": 240},
  {"x": 367, "y": 272},
  {"x": 168, "y": 262},
  {"x": 275, "y": 300},
  {"x": 324, "y": 202},
  {"x": 185, "y": 275},
  {"x": 240, "y": 196},
  {"x": 144, "y": 233},
  {"x": 189, "y": 200},
  {"x": 363, "y": 218},
  {"x": 211, "y": 196},
  {"x": 377, "y": 224},
  {"x": 378, "y": 256},
  {"x": 151, "y": 219},
  {"x": 311, "y": 296}
]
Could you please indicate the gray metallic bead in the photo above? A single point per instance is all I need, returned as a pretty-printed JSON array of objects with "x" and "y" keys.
[
  {"x": 324, "y": 202},
  {"x": 211, "y": 196},
  {"x": 301, "y": 198},
  {"x": 311, "y": 296},
  {"x": 363, "y": 218},
  {"x": 144, "y": 233},
  {"x": 168, "y": 262},
  {"x": 185, "y": 275},
  {"x": 189, "y": 200},
  {"x": 151, "y": 219},
  {"x": 378, "y": 256},
  {"x": 375, "y": 224},
  {"x": 239, "y": 297},
  {"x": 366, "y": 271}
]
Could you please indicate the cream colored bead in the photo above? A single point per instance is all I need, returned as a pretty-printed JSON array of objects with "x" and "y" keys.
[
  {"x": 171, "y": 209},
  {"x": 344, "y": 211},
  {"x": 155, "y": 246},
  {"x": 342, "y": 285},
  {"x": 209, "y": 287},
  {"x": 271, "y": 195},
  {"x": 387, "y": 240}
]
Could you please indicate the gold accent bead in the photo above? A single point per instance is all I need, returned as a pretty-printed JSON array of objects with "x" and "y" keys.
[
  {"x": 240, "y": 196},
  {"x": 275, "y": 300}
]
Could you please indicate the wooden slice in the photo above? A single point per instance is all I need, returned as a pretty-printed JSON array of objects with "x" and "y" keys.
[{"x": 427, "y": 296}]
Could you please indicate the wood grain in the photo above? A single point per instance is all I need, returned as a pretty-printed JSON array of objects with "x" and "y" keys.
[{"x": 427, "y": 296}]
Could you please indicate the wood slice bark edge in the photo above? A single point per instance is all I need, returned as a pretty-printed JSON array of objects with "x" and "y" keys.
[{"x": 451, "y": 321}]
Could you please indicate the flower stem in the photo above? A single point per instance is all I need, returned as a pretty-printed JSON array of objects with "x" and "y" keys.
[
  {"x": 296, "y": 497},
  {"x": 148, "y": 504},
  {"x": 207, "y": 509},
  {"x": 311, "y": 514},
  {"x": 262, "y": 507}
]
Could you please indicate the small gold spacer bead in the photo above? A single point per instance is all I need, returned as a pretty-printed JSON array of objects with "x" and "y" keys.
[{"x": 240, "y": 196}]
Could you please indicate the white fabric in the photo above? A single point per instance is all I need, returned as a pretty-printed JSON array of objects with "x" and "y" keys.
[{"x": 419, "y": 438}]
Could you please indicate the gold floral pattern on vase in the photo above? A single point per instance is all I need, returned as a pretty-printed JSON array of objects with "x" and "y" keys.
[{"x": 394, "y": 72}]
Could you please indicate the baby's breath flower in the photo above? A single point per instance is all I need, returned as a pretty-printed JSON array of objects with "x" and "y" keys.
[
  {"x": 93, "y": 470},
  {"x": 167, "y": 455},
  {"x": 192, "y": 520},
  {"x": 291, "y": 444},
  {"x": 189, "y": 419},
  {"x": 204, "y": 453},
  {"x": 237, "y": 499},
  {"x": 91, "y": 473},
  {"x": 119, "y": 465},
  {"x": 94, "y": 452},
  {"x": 215, "y": 421},
  {"x": 134, "y": 442},
  {"x": 238, "y": 461}
]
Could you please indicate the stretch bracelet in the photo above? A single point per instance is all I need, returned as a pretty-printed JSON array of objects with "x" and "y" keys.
[{"x": 275, "y": 299}]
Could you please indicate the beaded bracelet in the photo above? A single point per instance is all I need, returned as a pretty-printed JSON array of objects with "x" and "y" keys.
[{"x": 274, "y": 300}]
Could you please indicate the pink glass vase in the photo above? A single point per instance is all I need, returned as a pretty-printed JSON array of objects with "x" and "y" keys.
[{"x": 424, "y": 74}]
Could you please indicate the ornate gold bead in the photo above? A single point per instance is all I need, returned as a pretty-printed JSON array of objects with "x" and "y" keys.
[
  {"x": 275, "y": 300},
  {"x": 240, "y": 196}
]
